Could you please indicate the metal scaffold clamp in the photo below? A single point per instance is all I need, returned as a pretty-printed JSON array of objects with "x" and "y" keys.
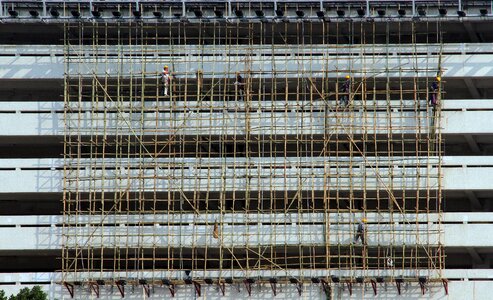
[
  {"x": 170, "y": 285},
  {"x": 398, "y": 284},
  {"x": 298, "y": 283},
  {"x": 145, "y": 286},
  {"x": 248, "y": 285},
  {"x": 70, "y": 288},
  {"x": 273, "y": 285},
  {"x": 120, "y": 284},
  {"x": 94, "y": 285}
]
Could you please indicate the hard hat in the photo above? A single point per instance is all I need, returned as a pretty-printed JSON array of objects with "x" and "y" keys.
[
  {"x": 438, "y": 78},
  {"x": 347, "y": 76},
  {"x": 364, "y": 220},
  {"x": 165, "y": 67}
]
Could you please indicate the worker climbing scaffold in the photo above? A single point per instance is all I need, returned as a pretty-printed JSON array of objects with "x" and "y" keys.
[
  {"x": 361, "y": 232},
  {"x": 166, "y": 79},
  {"x": 434, "y": 90},
  {"x": 346, "y": 91},
  {"x": 239, "y": 86}
]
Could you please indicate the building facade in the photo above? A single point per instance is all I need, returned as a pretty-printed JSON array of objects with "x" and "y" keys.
[{"x": 296, "y": 149}]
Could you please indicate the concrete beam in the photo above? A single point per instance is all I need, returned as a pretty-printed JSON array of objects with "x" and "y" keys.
[
  {"x": 472, "y": 122},
  {"x": 237, "y": 291},
  {"x": 41, "y": 119},
  {"x": 50, "y": 181},
  {"x": 466, "y": 282},
  {"x": 283, "y": 64},
  {"x": 230, "y": 236},
  {"x": 260, "y": 50},
  {"x": 242, "y": 217},
  {"x": 238, "y": 236},
  {"x": 229, "y": 123},
  {"x": 198, "y": 176}
]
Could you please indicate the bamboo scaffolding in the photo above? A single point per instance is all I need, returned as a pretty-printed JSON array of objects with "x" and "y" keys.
[{"x": 284, "y": 145}]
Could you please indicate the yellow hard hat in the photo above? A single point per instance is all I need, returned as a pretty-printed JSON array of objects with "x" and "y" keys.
[
  {"x": 364, "y": 220},
  {"x": 438, "y": 78},
  {"x": 347, "y": 76},
  {"x": 165, "y": 67}
]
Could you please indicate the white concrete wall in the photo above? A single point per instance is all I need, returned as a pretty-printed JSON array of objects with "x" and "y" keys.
[
  {"x": 48, "y": 119},
  {"x": 459, "y": 122},
  {"x": 203, "y": 123},
  {"x": 42, "y": 232},
  {"x": 229, "y": 236},
  {"x": 467, "y": 284},
  {"x": 46, "y": 238},
  {"x": 239, "y": 217},
  {"x": 398, "y": 62},
  {"x": 45, "y": 175},
  {"x": 50, "y": 181}
]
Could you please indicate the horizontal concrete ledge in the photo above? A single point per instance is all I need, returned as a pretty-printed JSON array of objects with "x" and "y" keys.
[
  {"x": 49, "y": 181},
  {"x": 239, "y": 217},
  {"x": 230, "y": 235},
  {"x": 261, "y": 118},
  {"x": 283, "y": 66},
  {"x": 27, "y": 107},
  {"x": 447, "y": 162},
  {"x": 463, "y": 284},
  {"x": 158, "y": 230},
  {"x": 163, "y": 104},
  {"x": 50, "y": 63},
  {"x": 306, "y": 274},
  {"x": 259, "y": 50},
  {"x": 225, "y": 123},
  {"x": 178, "y": 274},
  {"x": 45, "y": 175},
  {"x": 262, "y": 291},
  {"x": 55, "y": 277},
  {"x": 261, "y": 67},
  {"x": 201, "y": 177},
  {"x": 243, "y": 162}
]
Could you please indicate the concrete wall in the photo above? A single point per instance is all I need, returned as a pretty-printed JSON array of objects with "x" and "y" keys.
[
  {"x": 45, "y": 175},
  {"x": 49, "y": 64},
  {"x": 45, "y": 233},
  {"x": 47, "y": 118},
  {"x": 466, "y": 284}
]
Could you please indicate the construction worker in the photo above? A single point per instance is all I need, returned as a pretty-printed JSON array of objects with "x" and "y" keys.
[
  {"x": 239, "y": 86},
  {"x": 360, "y": 231},
  {"x": 433, "y": 101},
  {"x": 215, "y": 231},
  {"x": 200, "y": 83},
  {"x": 345, "y": 90},
  {"x": 166, "y": 78},
  {"x": 390, "y": 262}
]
